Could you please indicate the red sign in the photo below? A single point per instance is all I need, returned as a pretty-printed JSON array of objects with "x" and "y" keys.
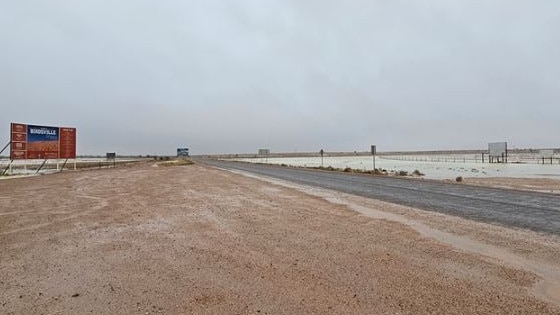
[
  {"x": 42, "y": 142},
  {"x": 19, "y": 137},
  {"x": 67, "y": 143},
  {"x": 21, "y": 128},
  {"x": 18, "y": 146}
]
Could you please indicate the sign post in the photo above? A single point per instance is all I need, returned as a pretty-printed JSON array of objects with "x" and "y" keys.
[
  {"x": 373, "y": 151},
  {"x": 322, "y": 154}
]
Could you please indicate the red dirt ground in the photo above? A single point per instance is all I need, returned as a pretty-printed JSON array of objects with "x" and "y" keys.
[{"x": 197, "y": 240}]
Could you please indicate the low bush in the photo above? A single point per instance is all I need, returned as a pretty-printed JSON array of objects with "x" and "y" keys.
[
  {"x": 176, "y": 162},
  {"x": 417, "y": 173}
]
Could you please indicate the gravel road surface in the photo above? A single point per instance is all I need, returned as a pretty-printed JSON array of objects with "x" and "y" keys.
[{"x": 539, "y": 212}]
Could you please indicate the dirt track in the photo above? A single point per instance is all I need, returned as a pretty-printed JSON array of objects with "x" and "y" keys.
[{"x": 196, "y": 240}]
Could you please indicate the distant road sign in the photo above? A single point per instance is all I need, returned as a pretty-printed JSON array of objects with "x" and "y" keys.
[
  {"x": 497, "y": 149},
  {"x": 546, "y": 154},
  {"x": 182, "y": 151},
  {"x": 264, "y": 152}
]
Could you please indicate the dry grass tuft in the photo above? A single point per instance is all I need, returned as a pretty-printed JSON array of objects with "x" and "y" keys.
[{"x": 179, "y": 162}]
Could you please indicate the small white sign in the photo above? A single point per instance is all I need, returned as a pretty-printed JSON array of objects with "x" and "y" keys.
[
  {"x": 546, "y": 154},
  {"x": 497, "y": 149}
]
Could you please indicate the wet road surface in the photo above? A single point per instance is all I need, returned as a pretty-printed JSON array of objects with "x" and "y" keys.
[{"x": 539, "y": 212}]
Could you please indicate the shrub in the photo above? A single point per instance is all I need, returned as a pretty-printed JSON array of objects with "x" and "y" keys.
[
  {"x": 402, "y": 173},
  {"x": 417, "y": 173},
  {"x": 459, "y": 179},
  {"x": 176, "y": 162}
]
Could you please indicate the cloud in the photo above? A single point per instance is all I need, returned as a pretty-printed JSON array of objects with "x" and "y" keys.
[{"x": 219, "y": 76}]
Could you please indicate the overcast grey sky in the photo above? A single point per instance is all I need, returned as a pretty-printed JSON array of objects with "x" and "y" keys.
[{"x": 145, "y": 77}]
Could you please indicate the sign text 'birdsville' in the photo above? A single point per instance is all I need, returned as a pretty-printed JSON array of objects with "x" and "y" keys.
[{"x": 42, "y": 142}]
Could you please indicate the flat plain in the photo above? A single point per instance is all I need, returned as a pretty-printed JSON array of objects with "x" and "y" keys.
[{"x": 194, "y": 239}]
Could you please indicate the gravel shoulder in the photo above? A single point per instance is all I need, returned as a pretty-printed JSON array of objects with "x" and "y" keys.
[
  {"x": 199, "y": 240},
  {"x": 546, "y": 185}
]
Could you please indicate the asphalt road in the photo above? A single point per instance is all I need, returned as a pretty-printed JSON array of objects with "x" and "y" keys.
[{"x": 530, "y": 210}]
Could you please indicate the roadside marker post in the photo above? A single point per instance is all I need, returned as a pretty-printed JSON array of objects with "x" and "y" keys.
[{"x": 373, "y": 151}]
